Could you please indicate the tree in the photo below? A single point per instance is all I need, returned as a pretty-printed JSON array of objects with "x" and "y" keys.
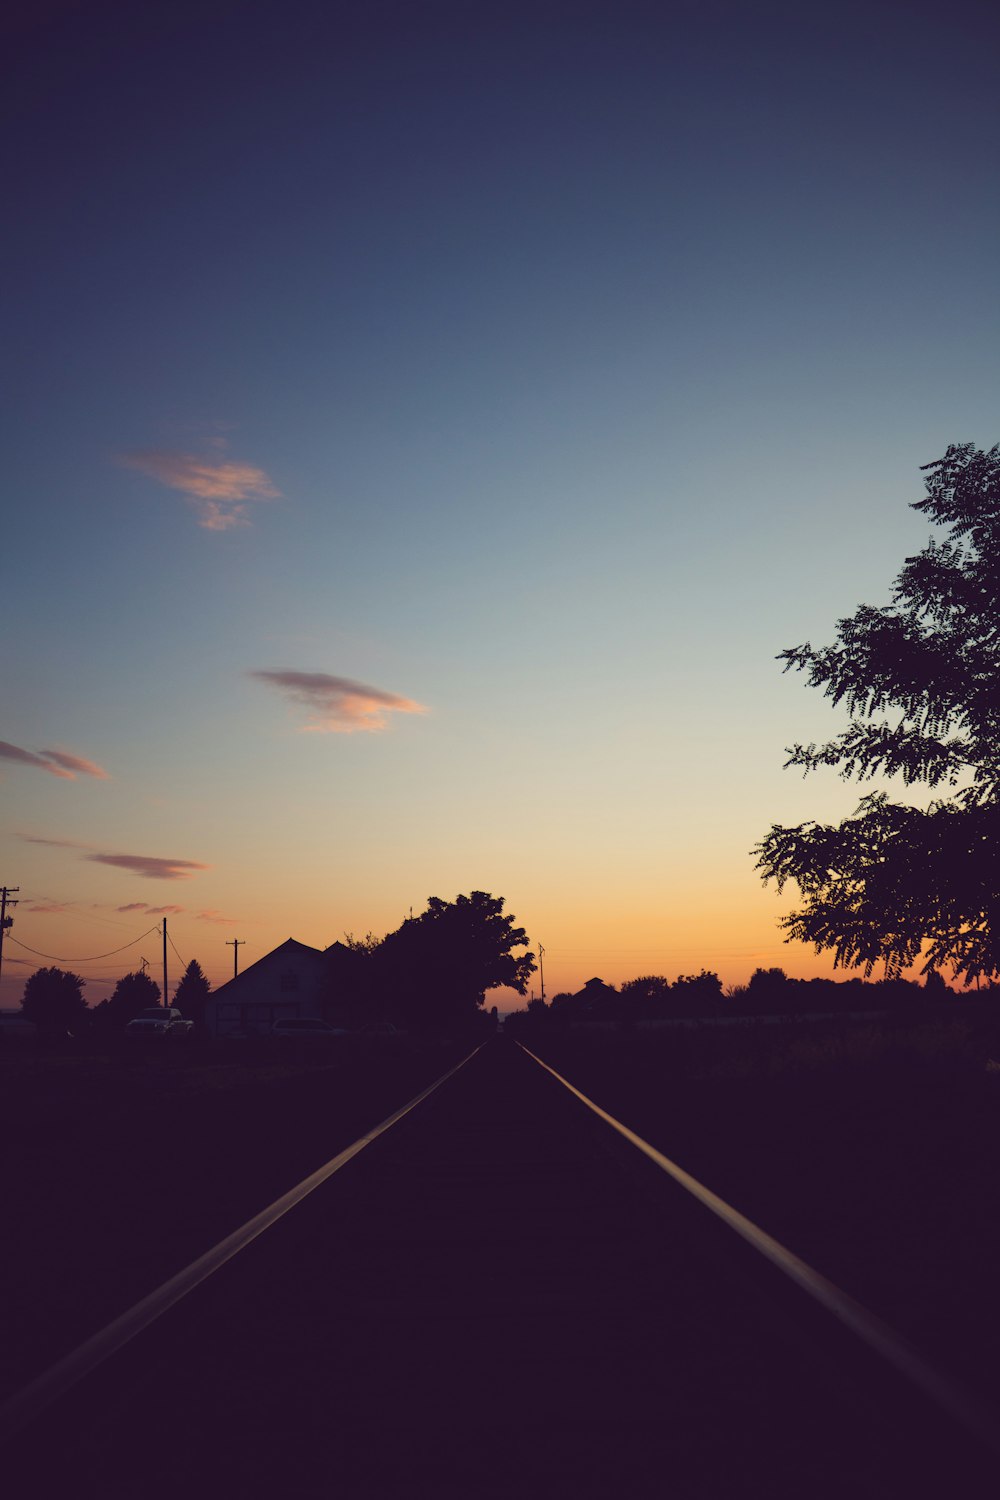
[
  {"x": 132, "y": 993},
  {"x": 705, "y": 988},
  {"x": 53, "y": 1000},
  {"x": 435, "y": 969},
  {"x": 648, "y": 995},
  {"x": 192, "y": 992},
  {"x": 920, "y": 679}
]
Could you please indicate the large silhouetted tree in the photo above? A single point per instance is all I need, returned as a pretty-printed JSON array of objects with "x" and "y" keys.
[
  {"x": 53, "y": 999},
  {"x": 437, "y": 968},
  {"x": 920, "y": 679}
]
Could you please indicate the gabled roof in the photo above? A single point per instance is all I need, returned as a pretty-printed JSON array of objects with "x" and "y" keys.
[{"x": 284, "y": 950}]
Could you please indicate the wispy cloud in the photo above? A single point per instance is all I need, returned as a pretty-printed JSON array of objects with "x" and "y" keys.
[
  {"x": 150, "y": 866},
  {"x": 210, "y": 915},
  {"x": 31, "y": 838},
  {"x": 218, "y": 489},
  {"x": 56, "y": 762},
  {"x": 337, "y": 705},
  {"x": 27, "y": 758},
  {"x": 75, "y": 764}
]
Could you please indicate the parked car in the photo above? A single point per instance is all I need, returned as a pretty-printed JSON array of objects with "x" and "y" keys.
[
  {"x": 306, "y": 1029},
  {"x": 159, "y": 1023},
  {"x": 15, "y": 1026}
]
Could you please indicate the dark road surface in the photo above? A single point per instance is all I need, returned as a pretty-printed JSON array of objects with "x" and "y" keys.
[{"x": 497, "y": 1298}]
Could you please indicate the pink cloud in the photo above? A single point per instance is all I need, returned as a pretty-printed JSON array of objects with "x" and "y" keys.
[
  {"x": 337, "y": 705},
  {"x": 56, "y": 762},
  {"x": 218, "y": 489},
  {"x": 47, "y": 908},
  {"x": 164, "y": 911},
  {"x": 27, "y": 758},
  {"x": 134, "y": 906},
  {"x": 75, "y": 763},
  {"x": 217, "y": 918},
  {"x": 151, "y": 867}
]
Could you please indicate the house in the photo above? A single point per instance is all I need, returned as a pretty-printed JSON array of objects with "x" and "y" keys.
[
  {"x": 292, "y": 980},
  {"x": 596, "y": 1002}
]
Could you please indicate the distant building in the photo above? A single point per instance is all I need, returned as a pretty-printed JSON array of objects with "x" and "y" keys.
[
  {"x": 597, "y": 1001},
  {"x": 292, "y": 980}
]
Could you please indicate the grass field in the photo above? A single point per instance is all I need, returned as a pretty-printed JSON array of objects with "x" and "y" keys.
[
  {"x": 872, "y": 1150},
  {"x": 118, "y": 1169}
]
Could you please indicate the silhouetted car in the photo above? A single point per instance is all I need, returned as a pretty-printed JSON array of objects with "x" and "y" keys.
[
  {"x": 159, "y": 1023},
  {"x": 15, "y": 1026},
  {"x": 306, "y": 1029}
]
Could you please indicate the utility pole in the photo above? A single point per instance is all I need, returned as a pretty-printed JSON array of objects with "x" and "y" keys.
[
  {"x": 541, "y": 970},
  {"x": 144, "y": 963},
  {"x": 5, "y": 922},
  {"x": 236, "y": 944},
  {"x": 165, "y": 1000}
]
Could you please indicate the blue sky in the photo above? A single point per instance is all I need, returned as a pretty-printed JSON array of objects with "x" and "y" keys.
[{"x": 553, "y": 368}]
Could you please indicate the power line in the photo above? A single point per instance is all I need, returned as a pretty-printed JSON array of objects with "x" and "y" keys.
[
  {"x": 174, "y": 946},
  {"x": 62, "y": 959}
]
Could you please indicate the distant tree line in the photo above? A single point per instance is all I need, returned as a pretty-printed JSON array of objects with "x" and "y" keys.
[
  {"x": 53, "y": 1000},
  {"x": 431, "y": 974},
  {"x": 701, "y": 996}
]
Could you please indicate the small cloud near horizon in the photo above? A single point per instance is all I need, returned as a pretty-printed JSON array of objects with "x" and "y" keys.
[
  {"x": 31, "y": 838},
  {"x": 214, "y": 916},
  {"x": 338, "y": 705},
  {"x": 57, "y": 762},
  {"x": 217, "y": 489},
  {"x": 149, "y": 866}
]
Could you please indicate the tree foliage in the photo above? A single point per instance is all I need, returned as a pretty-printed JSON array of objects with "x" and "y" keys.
[
  {"x": 920, "y": 679},
  {"x": 133, "y": 993},
  {"x": 192, "y": 992},
  {"x": 53, "y": 1000},
  {"x": 438, "y": 967}
]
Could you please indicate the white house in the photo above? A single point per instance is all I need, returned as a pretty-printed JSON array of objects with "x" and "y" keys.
[{"x": 292, "y": 980}]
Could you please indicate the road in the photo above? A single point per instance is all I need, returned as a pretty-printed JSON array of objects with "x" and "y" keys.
[{"x": 497, "y": 1298}]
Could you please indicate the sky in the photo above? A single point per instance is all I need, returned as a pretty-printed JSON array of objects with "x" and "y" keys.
[{"x": 423, "y": 427}]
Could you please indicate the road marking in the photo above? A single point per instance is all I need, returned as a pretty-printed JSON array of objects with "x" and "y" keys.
[
  {"x": 972, "y": 1413},
  {"x": 26, "y": 1404}
]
